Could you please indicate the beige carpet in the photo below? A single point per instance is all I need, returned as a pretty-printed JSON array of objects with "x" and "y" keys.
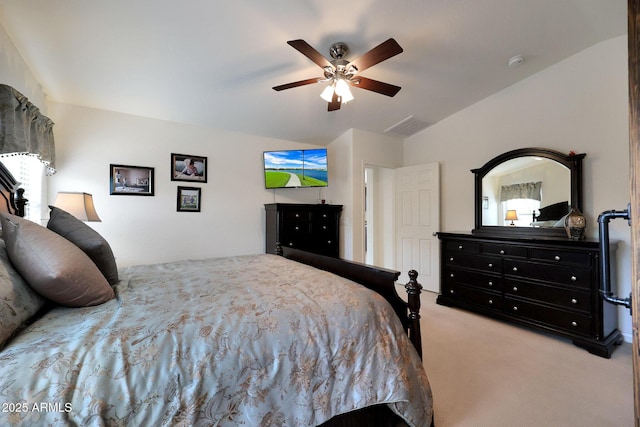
[{"x": 487, "y": 373}]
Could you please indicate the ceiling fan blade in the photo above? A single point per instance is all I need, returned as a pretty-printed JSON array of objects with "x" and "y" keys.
[
  {"x": 335, "y": 103},
  {"x": 376, "y": 86},
  {"x": 376, "y": 55},
  {"x": 305, "y": 48},
  {"x": 296, "y": 84}
]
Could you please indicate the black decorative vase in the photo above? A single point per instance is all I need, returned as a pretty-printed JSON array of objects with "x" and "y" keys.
[{"x": 575, "y": 224}]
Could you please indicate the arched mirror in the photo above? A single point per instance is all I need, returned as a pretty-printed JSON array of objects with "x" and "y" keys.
[{"x": 527, "y": 193}]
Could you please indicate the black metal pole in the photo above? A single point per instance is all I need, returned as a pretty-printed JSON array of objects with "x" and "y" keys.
[{"x": 605, "y": 267}]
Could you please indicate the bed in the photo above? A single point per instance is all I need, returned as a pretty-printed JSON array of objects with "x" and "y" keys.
[
  {"x": 551, "y": 215},
  {"x": 253, "y": 340}
]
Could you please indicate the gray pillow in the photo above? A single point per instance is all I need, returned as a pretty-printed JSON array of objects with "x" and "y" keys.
[
  {"x": 52, "y": 266},
  {"x": 87, "y": 239},
  {"x": 18, "y": 302}
]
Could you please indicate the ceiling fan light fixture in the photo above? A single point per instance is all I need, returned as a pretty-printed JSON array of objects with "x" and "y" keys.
[
  {"x": 327, "y": 93},
  {"x": 343, "y": 91}
]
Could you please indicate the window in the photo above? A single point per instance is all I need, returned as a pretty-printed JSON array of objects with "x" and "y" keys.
[{"x": 30, "y": 172}]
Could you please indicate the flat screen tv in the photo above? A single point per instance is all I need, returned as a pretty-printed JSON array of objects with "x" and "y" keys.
[{"x": 295, "y": 168}]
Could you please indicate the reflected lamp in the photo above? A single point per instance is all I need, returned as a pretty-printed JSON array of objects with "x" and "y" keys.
[{"x": 511, "y": 215}]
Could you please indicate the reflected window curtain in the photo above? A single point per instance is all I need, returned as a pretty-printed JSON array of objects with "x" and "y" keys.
[
  {"x": 525, "y": 190},
  {"x": 27, "y": 148}
]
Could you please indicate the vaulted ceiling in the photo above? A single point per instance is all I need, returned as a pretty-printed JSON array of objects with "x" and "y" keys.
[{"x": 214, "y": 63}]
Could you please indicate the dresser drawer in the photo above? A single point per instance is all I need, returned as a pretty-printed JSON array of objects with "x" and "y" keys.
[
  {"x": 323, "y": 228},
  {"x": 472, "y": 278},
  {"x": 560, "y": 296},
  {"x": 457, "y": 246},
  {"x": 478, "y": 262},
  {"x": 296, "y": 215},
  {"x": 487, "y": 300},
  {"x": 565, "y": 257},
  {"x": 560, "y": 274},
  {"x": 322, "y": 217},
  {"x": 302, "y": 243},
  {"x": 568, "y": 321},
  {"x": 504, "y": 250},
  {"x": 295, "y": 229}
]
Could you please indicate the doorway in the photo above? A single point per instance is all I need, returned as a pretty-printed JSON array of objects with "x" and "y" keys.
[
  {"x": 378, "y": 216},
  {"x": 401, "y": 217}
]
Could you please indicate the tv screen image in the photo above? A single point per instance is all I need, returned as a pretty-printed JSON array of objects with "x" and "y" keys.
[{"x": 296, "y": 168}]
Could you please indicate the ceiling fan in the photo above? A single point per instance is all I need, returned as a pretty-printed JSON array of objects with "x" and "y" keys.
[{"x": 340, "y": 73}]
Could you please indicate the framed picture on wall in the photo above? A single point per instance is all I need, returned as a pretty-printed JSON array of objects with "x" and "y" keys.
[
  {"x": 189, "y": 199},
  {"x": 186, "y": 167},
  {"x": 125, "y": 180}
]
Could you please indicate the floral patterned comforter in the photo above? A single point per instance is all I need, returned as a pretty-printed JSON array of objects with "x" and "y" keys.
[{"x": 239, "y": 341}]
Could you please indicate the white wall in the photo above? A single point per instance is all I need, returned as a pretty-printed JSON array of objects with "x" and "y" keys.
[
  {"x": 340, "y": 153},
  {"x": 147, "y": 229},
  {"x": 361, "y": 149},
  {"x": 579, "y": 104},
  {"x": 14, "y": 72}
]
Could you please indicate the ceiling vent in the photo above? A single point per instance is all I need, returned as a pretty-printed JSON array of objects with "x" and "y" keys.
[{"x": 407, "y": 127}]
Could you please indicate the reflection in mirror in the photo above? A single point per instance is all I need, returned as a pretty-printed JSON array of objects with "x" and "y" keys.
[
  {"x": 539, "y": 184},
  {"x": 538, "y": 189}
]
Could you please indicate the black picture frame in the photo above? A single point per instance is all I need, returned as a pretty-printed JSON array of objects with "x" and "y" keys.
[
  {"x": 179, "y": 170},
  {"x": 127, "y": 180},
  {"x": 189, "y": 199}
]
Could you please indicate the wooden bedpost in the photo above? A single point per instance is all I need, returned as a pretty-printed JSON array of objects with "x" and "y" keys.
[
  {"x": 20, "y": 202},
  {"x": 413, "y": 290}
]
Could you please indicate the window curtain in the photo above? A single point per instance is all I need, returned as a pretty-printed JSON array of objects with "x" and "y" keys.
[
  {"x": 525, "y": 190},
  {"x": 24, "y": 130}
]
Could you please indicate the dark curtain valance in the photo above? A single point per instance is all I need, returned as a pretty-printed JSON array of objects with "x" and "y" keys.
[
  {"x": 525, "y": 190},
  {"x": 23, "y": 129}
]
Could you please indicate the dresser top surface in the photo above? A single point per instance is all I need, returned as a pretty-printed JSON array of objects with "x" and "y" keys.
[
  {"x": 301, "y": 206},
  {"x": 567, "y": 243}
]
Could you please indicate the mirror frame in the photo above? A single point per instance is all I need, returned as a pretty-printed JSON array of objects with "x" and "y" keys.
[{"x": 571, "y": 161}]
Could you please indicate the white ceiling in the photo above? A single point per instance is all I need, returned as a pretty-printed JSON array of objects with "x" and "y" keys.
[{"x": 213, "y": 63}]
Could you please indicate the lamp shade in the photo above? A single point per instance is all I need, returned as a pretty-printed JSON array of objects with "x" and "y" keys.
[
  {"x": 79, "y": 205},
  {"x": 511, "y": 215}
]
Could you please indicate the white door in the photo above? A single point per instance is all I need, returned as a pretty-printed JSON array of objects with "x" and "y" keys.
[{"x": 417, "y": 190}]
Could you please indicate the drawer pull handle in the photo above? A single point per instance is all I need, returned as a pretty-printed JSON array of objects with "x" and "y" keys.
[
  {"x": 515, "y": 268},
  {"x": 557, "y": 258},
  {"x": 460, "y": 247},
  {"x": 574, "y": 323},
  {"x": 451, "y": 259},
  {"x": 324, "y": 215},
  {"x": 452, "y": 291},
  {"x": 452, "y": 275},
  {"x": 574, "y": 301},
  {"x": 574, "y": 278},
  {"x": 515, "y": 289},
  {"x": 490, "y": 301},
  {"x": 297, "y": 215},
  {"x": 501, "y": 252},
  {"x": 297, "y": 228},
  {"x": 490, "y": 283},
  {"x": 490, "y": 265},
  {"x": 515, "y": 308},
  {"x": 329, "y": 241},
  {"x": 290, "y": 243},
  {"x": 324, "y": 227}
]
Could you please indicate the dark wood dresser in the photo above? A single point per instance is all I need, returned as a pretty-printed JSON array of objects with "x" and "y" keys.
[
  {"x": 547, "y": 284},
  {"x": 312, "y": 228}
]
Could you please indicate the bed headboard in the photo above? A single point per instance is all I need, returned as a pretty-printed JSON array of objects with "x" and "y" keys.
[
  {"x": 552, "y": 212},
  {"x": 13, "y": 200}
]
